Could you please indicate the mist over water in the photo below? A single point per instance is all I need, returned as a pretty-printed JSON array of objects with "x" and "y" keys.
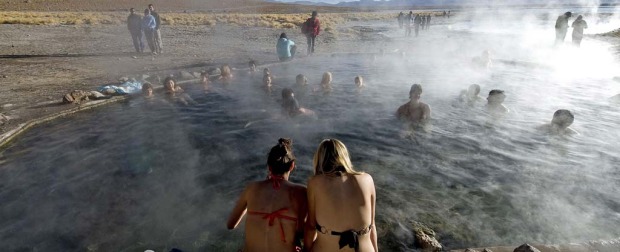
[{"x": 153, "y": 175}]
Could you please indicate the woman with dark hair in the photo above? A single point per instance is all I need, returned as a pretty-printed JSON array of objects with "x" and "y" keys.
[
  {"x": 291, "y": 107},
  {"x": 285, "y": 48},
  {"x": 276, "y": 208},
  {"x": 175, "y": 93},
  {"x": 341, "y": 203}
]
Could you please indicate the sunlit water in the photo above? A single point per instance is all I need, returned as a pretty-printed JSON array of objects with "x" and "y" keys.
[{"x": 151, "y": 174}]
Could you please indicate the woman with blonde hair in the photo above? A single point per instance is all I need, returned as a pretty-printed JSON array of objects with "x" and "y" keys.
[
  {"x": 341, "y": 203},
  {"x": 326, "y": 83},
  {"x": 276, "y": 208},
  {"x": 225, "y": 74}
]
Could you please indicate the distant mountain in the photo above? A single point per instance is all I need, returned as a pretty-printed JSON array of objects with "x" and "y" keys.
[{"x": 429, "y": 3}]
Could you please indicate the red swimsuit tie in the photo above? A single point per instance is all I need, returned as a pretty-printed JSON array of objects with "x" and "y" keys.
[
  {"x": 278, "y": 214},
  {"x": 276, "y": 180}
]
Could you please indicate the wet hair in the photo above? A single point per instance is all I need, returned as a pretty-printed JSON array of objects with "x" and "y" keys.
[
  {"x": 332, "y": 158},
  {"x": 266, "y": 71},
  {"x": 327, "y": 78},
  {"x": 281, "y": 158},
  {"x": 283, "y": 35},
  {"x": 204, "y": 74},
  {"x": 359, "y": 79},
  {"x": 564, "y": 113},
  {"x": 252, "y": 63},
  {"x": 496, "y": 92},
  {"x": 415, "y": 88},
  {"x": 147, "y": 85},
  {"x": 475, "y": 87},
  {"x": 314, "y": 13},
  {"x": 287, "y": 93},
  {"x": 300, "y": 78},
  {"x": 168, "y": 79},
  {"x": 225, "y": 70}
]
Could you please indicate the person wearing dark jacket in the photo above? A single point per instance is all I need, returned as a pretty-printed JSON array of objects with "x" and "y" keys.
[
  {"x": 578, "y": 25},
  {"x": 312, "y": 28},
  {"x": 561, "y": 26},
  {"x": 157, "y": 33},
  {"x": 134, "y": 25},
  {"x": 417, "y": 21}
]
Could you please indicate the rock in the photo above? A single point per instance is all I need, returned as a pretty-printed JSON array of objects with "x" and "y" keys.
[
  {"x": 145, "y": 76},
  {"x": 76, "y": 97},
  {"x": 196, "y": 74},
  {"x": 185, "y": 75},
  {"x": 135, "y": 57},
  {"x": 425, "y": 238},
  {"x": 4, "y": 119},
  {"x": 8, "y": 105},
  {"x": 214, "y": 71},
  {"x": 526, "y": 248},
  {"x": 471, "y": 250},
  {"x": 487, "y": 250}
]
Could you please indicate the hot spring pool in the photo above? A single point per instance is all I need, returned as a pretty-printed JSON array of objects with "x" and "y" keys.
[{"x": 148, "y": 174}]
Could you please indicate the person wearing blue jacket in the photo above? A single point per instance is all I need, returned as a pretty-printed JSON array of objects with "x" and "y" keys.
[
  {"x": 285, "y": 48},
  {"x": 148, "y": 27}
]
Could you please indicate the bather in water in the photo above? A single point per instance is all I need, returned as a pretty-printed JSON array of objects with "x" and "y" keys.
[
  {"x": 560, "y": 123},
  {"x": 326, "y": 84},
  {"x": 471, "y": 96},
  {"x": 495, "y": 104},
  {"x": 414, "y": 112}
]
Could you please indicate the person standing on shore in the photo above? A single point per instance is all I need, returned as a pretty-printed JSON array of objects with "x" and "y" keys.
[
  {"x": 428, "y": 21},
  {"x": 578, "y": 27},
  {"x": 417, "y": 22},
  {"x": 400, "y": 18},
  {"x": 409, "y": 19},
  {"x": 134, "y": 25},
  {"x": 561, "y": 26},
  {"x": 312, "y": 28},
  {"x": 148, "y": 26},
  {"x": 423, "y": 21},
  {"x": 157, "y": 33}
]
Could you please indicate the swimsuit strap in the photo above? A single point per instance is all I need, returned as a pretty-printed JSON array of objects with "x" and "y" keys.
[
  {"x": 347, "y": 238},
  {"x": 278, "y": 214},
  {"x": 276, "y": 180}
]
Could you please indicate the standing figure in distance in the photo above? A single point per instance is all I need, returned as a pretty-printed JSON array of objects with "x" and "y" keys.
[
  {"x": 148, "y": 27},
  {"x": 578, "y": 25},
  {"x": 561, "y": 26},
  {"x": 312, "y": 28},
  {"x": 134, "y": 25},
  {"x": 157, "y": 33}
]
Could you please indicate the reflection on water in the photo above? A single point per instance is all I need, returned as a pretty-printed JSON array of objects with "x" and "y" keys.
[{"x": 150, "y": 174}]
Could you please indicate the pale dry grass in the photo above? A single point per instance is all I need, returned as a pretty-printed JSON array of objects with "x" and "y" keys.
[{"x": 277, "y": 21}]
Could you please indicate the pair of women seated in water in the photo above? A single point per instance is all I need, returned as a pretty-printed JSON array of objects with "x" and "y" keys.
[{"x": 334, "y": 213}]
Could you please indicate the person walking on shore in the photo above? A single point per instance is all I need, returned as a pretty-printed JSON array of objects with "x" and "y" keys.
[
  {"x": 148, "y": 26},
  {"x": 134, "y": 25},
  {"x": 578, "y": 27},
  {"x": 312, "y": 28},
  {"x": 157, "y": 32},
  {"x": 561, "y": 26},
  {"x": 428, "y": 21}
]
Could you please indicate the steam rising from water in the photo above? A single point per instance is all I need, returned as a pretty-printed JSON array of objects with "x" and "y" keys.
[{"x": 148, "y": 174}]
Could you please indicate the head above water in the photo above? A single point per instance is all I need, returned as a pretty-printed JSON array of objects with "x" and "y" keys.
[
  {"x": 473, "y": 90},
  {"x": 332, "y": 158},
  {"x": 281, "y": 159},
  {"x": 415, "y": 91},
  {"x": 252, "y": 65},
  {"x": 301, "y": 80},
  {"x": 327, "y": 78},
  {"x": 359, "y": 81},
  {"x": 169, "y": 84},
  {"x": 496, "y": 96},
  {"x": 563, "y": 118},
  {"x": 287, "y": 93},
  {"x": 147, "y": 89},
  {"x": 225, "y": 71},
  {"x": 267, "y": 79}
]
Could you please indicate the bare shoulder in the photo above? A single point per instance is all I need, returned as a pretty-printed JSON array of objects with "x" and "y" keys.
[
  {"x": 298, "y": 187},
  {"x": 365, "y": 178}
]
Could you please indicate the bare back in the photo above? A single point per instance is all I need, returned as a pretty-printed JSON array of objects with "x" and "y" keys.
[
  {"x": 273, "y": 215},
  {"x": 342, "y": 203}
]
